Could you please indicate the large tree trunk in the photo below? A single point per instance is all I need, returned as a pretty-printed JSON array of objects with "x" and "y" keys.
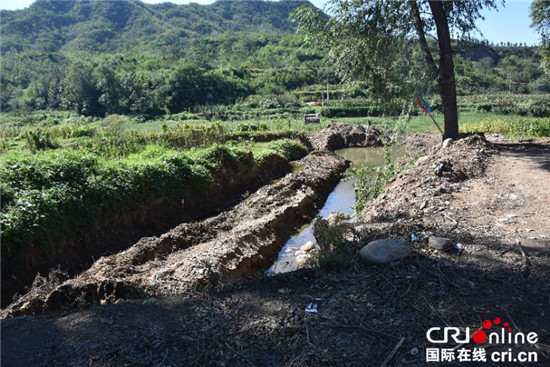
[{"x": 446, "y": 80}]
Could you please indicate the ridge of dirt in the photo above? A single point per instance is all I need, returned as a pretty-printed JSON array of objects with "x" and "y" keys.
[
  {"x": 338, "y": 136},
  {"x": 235, "y": 243},
  {"x": 366, "y": 315},
  {"x": 421, "y": 190}
]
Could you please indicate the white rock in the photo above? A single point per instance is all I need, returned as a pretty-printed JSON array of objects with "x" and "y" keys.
[
  {"x": 385, "y": 251},
  {"x": 336, "y": 218},
  {"x": 446, "y": 143},
  {"x": 308, "y": 246}
]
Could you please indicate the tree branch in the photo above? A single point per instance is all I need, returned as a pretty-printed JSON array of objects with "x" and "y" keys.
[{"x": 419, "y": 26}]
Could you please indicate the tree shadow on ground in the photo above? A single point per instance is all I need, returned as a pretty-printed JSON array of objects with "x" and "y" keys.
[
  {"x": 538, "y": 153},
  {"x": 363, "y": 312}
]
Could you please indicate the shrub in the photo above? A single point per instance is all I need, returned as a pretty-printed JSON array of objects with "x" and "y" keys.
[
  {"x": 40, "y": 140},
  {"x": 371, "y": 180}
]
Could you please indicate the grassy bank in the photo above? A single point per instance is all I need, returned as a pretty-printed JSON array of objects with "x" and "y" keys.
[{"x": 50, "y": 194}]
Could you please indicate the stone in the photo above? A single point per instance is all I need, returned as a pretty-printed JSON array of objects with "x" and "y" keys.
[
  {"x": 308, "y": 246},
  {"x": 440, "y": 243},
  {"x": 385, "y": 251},
  {"x": 446, "y": 143},
  {"x": 337, "y": 218}
]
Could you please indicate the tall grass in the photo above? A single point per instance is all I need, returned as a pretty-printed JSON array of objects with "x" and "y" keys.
[{"x": 512, "y": 127}]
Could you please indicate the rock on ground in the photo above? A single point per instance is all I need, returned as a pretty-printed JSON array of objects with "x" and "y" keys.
[
  {"x": 385, "y": 251},
  {"x": 337, "y": 218},
  {"x": 440, "y": 243},
  {"x": 308, "y": 246}
]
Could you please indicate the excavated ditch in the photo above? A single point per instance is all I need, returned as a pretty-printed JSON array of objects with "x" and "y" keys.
[
  {"x": 340, "y": 201},
  {"x": 237, "y": 243},
  {"x": 118, "y": 230}
]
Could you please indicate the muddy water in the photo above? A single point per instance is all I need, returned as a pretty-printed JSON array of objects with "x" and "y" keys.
[{"x": 340, "y": 200}]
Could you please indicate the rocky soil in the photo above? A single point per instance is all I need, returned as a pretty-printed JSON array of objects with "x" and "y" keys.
[{"x": 487, "y": 197}]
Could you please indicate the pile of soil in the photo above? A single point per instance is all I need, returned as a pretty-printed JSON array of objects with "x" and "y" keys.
[
  {"x": 489, "y": 198},
  {"x": 338, "y": 136}
]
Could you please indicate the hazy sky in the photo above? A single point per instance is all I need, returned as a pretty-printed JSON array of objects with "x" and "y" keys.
[{"x": 509, "y": 24}]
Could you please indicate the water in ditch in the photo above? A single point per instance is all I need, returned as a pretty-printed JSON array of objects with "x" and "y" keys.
[{"x": 340, "y": 200}]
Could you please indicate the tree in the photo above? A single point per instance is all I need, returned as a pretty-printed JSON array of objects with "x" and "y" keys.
[
  {"x": 540, "y": 16},
  {"x": 80, "y": 90},
  {"x": 379, "y": 41}
]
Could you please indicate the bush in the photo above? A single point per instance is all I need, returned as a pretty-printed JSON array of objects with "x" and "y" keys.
[
  {"x": 40, "y": 140},
  {"x": 46, "y": 196},
  {"x": 53, "y": 194}
]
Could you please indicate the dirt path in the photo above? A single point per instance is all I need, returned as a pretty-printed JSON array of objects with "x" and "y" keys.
[
  {"x": 514, "y": 197},
  {"x": 488, "y": 198}
]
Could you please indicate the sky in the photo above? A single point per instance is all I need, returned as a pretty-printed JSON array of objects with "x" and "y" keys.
[{"x": 508, "y": 24}]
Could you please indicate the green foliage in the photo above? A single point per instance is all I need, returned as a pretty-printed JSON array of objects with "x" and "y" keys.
[
  {"x": 40, "y": 140},
  {"x": 522, "y": 105},
  {"x": 540, "y": 15},
  {"x": 122, "y": 57},
  {"x": 512, "y": 127},
  {"x": 363, "y": 51},
  {"x": 107, "y": 26},
  {"x": 371, "y": 180},
  {"x": 334, "y": 249},
  {"x": 126, "y": 57},
  {"x": 286, "y": 148},
  {"x": 52, "y": 194}
]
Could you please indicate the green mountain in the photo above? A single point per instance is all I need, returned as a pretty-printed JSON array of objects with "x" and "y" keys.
[
  {"x": 101, "y": 57},
  {"x": 131, "y": 25}
]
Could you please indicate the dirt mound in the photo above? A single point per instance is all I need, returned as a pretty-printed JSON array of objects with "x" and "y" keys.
[
  {"x": 421, "y": 143},
  {"x": 236, "y": 243},
  {"x": 421, "y": 191},
  {"x": 340, "y": 136}
]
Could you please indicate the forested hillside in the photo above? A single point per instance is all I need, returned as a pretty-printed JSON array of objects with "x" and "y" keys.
[
  {"x": 133, "y": 26},
  {"x": 128, "y": 57}
]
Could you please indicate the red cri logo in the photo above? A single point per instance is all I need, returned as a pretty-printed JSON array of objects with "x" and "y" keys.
[{"x": 480, "y": 335}]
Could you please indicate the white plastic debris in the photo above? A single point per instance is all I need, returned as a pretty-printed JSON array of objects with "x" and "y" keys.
[{"x": 312, "y": 307}]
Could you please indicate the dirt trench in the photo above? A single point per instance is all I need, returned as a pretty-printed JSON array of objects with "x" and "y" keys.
[
  {"x": 236, "y": 243},
  {"x": 117, "y": 230}
]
